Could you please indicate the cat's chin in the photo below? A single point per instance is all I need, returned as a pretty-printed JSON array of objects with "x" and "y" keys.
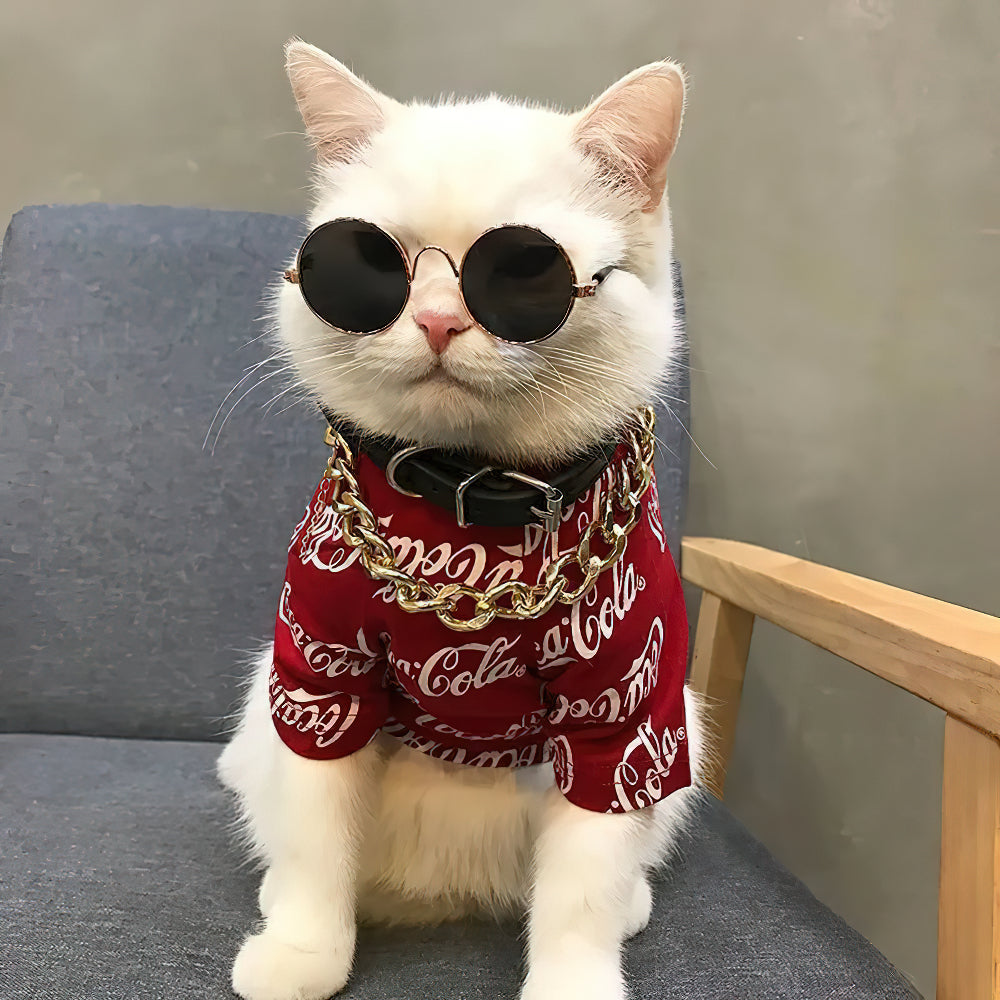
[
  {"x": 452, "y": 383},
  {"x": 445, "y": 379}
]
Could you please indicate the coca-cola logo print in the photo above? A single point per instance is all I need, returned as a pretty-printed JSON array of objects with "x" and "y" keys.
[
  {"x": 530, "y": 722},
  {"x": 322, "y": 525},
  {"x": 562, "y": 761},
  {"x": 326, "y": 716},
  {"x": 455, "y": 670},
  {"x": 524, "y": 756},
  {"x": 646, "y": 762},
  {"x": 332, "y": 659},
  {"x": 606, "y": 707},
  {"x": 641, "y": 676}
]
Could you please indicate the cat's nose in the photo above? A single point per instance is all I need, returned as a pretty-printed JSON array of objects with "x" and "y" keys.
[{"x": 439, "y": 328}]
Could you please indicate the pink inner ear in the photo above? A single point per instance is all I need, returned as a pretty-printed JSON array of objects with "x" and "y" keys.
[
  {"x": 340, "y": 111},
  {"x": 631, "y": 130}
]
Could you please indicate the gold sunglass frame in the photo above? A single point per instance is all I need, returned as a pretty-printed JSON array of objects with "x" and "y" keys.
[{"x": 580, "y": 290}]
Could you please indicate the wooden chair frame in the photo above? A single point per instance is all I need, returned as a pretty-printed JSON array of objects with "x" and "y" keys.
[{"x": 947, "y": 655}]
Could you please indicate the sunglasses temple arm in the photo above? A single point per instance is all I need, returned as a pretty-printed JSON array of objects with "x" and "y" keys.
[{"x": 586, "y": 290}]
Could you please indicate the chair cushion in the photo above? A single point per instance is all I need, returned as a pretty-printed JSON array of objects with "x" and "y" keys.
[
  {"x": 119, "y": 881},
  {"x": 136, "y": 564}
]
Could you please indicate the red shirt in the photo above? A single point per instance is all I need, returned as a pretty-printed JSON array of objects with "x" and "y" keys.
[{"x": 596, "y": 688}]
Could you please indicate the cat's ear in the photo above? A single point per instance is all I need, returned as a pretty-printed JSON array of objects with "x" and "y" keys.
[
  {"x": 632, "y": 128},
  {"x": 340, "y": 111}
]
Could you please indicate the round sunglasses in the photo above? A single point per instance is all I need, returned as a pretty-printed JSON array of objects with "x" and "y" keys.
[{"x": 517, "y": 284}]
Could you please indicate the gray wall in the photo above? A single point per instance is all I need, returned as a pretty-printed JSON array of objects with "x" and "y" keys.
[{"x": 837, "y": 198}]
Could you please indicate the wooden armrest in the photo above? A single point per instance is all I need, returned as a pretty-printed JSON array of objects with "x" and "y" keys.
[
  {"x": 943, "y": 653},
  {"x": 948, "y": 655}
]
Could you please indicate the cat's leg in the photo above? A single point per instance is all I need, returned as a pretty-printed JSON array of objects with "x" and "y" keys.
[
  {"x": 306, "y": 948},
  {"x": 587, "y": 865},
  {"x": 591, "y": 890},
  {"x": 306, "y": 818}
]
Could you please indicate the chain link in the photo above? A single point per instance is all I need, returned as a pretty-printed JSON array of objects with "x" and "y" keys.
[{"x": 513, "y": 599}]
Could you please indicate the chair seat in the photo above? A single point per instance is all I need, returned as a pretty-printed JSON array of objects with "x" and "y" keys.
[{"x": 120, "y": 880}]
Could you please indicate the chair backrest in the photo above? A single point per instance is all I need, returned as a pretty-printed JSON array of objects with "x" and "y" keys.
[{"x": 136, "y": 567}]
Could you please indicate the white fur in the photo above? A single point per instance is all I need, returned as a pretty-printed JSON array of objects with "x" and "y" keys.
[
  {"x": 389, "y": 834},
  {"x": 443, "y": 174},
  {"x": 409, "y": 839}
]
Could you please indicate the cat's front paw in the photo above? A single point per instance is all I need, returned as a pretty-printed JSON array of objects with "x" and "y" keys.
[
  {"x": 640, "y": 908},
  {"x": 267, "y": 968},
  {"x": 585, "y": 977}
]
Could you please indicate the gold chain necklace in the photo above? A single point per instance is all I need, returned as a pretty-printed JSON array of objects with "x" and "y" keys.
[{"x": 512, "y": 598}]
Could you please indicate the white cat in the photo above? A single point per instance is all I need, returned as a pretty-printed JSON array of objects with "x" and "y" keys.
[{"x": 389, "y": 833}]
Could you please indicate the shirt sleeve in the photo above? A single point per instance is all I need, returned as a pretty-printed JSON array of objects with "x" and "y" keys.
[
  {"x": 616, "y": 729},
  {"x": 326, "y": 687}
]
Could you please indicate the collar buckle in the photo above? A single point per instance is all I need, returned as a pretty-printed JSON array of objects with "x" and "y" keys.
[
  {"x": 552, "y": 514},
  {"x": 549, "y": 518}
]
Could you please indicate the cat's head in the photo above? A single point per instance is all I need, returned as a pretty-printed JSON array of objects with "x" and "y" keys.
[{"x": 442, "y": 174}]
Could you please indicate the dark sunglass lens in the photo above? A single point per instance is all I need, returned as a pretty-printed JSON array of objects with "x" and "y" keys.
[
  {"x": 353, "y": 276},
  {"x": 517, "y": 283}
]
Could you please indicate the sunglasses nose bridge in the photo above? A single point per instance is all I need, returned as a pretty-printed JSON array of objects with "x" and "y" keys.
[{"x": 441, "y": 250}]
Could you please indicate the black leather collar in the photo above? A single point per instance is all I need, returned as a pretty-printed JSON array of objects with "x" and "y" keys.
[{"x": 474, "y": 491}]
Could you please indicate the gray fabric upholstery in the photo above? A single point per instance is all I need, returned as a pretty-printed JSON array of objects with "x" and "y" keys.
[
  {"x": 135, "y": 565},
  {"x": 119, "y": 882}
]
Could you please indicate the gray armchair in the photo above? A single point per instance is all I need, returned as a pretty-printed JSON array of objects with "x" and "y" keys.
[{"x": 136, "y": 568}]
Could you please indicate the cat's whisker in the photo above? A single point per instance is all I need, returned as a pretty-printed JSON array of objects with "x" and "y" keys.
[
  {"x": 657, "y": 396},
  {"x": 249, "y": 372},
  {"x": 592, "y": 382},
  {"x": 541, "y": 393},
  {"x": 295, "y": 402},
  {"x": 563, "y": 376},
  {"x": 380, "y": 381},
  {"x": 661, "y": 447},
  {"x": 595, "y": 369},
  {"x": 542, "y": 389},
  {"x": 260, "y": 336},
  {"x": 345, "y": 370},
  {"x": 575, "y": 350},
  {"x": 524, "y": 395},
  {"x": 697, "y": 446},
  {"x": 266, "y": 407},
  {"x": 591, "y": 362},
  {"x": 232, "y": 409}
]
